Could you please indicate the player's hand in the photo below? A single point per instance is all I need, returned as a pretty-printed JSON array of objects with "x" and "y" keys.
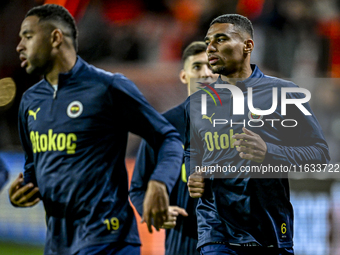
[
  {"x": 251, "y": 146},
  {"x": 173, "y": 212},
  {"x": 155, "y": 205},
  {"x": 23, "y": 196},
  {"x": 196, "y": 185}
]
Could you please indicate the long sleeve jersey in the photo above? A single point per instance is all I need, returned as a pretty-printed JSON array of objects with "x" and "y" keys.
[
  {"x": 250, "y": 208},
  {"x": 182, "y": 239},
  {"x": 75, "y": 140}
]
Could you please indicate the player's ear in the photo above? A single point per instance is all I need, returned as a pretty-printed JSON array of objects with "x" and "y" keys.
[
  {"x": 248, "y": 46},
  {"x": 183, "y": 76},
  {"x": 56, "y": 37}
]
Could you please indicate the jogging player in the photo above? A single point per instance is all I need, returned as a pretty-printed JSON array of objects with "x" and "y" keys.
[
  {"x": 231, "y": 133},
  {"x": 181, "y": 227},
  {"x": 73, "y": 126}
]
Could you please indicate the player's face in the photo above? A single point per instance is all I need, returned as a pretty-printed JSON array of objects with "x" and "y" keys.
[
  {"x": 34, "y": 47},
  {"x": 197, "y": 66},
  {"x": 225, "y": 48}
]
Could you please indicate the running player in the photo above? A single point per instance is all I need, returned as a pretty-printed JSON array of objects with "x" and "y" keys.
[
  {"x": 73, "y": 126},
  {"x": 255, "y": 213},
  {"x": 181, "y": 227}
]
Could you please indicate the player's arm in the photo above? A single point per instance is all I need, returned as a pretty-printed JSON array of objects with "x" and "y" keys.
[
  {"x": 310, "y": 145},
  {"x": 196, "y": 185},
  {"x": 24, "y": 192},
  {"x": 142, "y": 188},
  {"x": 251, "y": 146},
  {"x": 144, "y": 166},
  {"x": 23, "y": 195},
  {"x": 142, "y": 119},
  {"x": 193, "y": 158}
]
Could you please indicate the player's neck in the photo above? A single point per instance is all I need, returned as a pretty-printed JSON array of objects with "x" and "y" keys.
[
  {"x": 61, "y": 65},
  {"x": 239, "y": 75}
]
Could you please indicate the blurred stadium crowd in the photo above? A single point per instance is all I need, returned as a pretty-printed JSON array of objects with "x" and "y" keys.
[{"x": 144, "y": 39}]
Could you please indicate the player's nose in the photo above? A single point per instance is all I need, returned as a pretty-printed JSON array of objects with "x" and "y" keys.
[
  {"x": 210, "y": 48},
  {"x": 20, "y": 46},
  {"x": 206, "y": 72}
]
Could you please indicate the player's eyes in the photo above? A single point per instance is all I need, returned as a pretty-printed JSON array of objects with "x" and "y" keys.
[
  {"x": 196, "y": 67},
  {"x": 220, "y": 40}
]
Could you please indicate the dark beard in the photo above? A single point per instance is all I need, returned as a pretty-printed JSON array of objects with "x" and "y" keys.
[{"x": 219, "y": 70}]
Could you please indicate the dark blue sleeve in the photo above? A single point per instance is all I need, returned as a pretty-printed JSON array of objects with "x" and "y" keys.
[
  {"x": 144, "y": 166},
  {"x": 142, "y": 119},
  {"x": 29, "y": 170},
  {"x": 4, "y": 174},
  {"x": 146, "y": 162},
  {"x": 310, "y": 146},
  {"x": 192, "y": 150}
]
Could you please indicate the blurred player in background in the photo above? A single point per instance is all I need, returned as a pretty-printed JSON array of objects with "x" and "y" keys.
[
  {"x": 3, "y": 174},
  {"x": 73, "y": 126},
  {"x": 256, "y": 213},
  {"x": 181, "y": 227}
]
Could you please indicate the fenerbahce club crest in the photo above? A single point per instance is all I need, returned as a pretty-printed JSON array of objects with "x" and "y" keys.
[
  {"x": 253, "y": 116},
  {"x": 74, "y": 109}
]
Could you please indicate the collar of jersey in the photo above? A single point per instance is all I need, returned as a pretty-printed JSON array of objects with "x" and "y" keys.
[
  {"x": 249, "y": 82},
  {"x": 65, "y": 77}
]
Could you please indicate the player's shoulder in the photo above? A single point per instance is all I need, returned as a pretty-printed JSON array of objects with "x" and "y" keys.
[
  {"x": 99, "y": 74},
  {"x": 196, "y": 96},
  {"x": 175, "y": 111},
  {"x": 38, "y": 88},
  {"x": 115, "y": 82},
  {"x": 176, "y": 115},
  {"x": 88, "y": 71},
  {"x": 271, "y": 81}
]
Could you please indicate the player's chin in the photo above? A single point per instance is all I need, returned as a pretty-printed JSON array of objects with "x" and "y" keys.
[
  {"x": 29, "y": 69},
  {"x": 217, "y": 69},
  {"x": 34, "y": 70}
]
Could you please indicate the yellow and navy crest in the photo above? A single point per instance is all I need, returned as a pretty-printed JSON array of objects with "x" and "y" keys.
[
  {"x": 74, "y": 109},
  {"x": 253, "y": 116}
]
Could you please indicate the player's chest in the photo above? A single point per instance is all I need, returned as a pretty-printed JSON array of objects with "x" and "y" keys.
[
  {"x": 224, "y": 118},
  {"x": 68, "y": 112}
]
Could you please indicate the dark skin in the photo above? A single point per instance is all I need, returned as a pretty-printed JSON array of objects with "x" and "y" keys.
[
  {"x": 21, "y": 196},
  {"x": 196, "y": 185},
  {"x": 46, "y": 48},
  {"x": 155, "y": 205},
  {"x": 251, "y": 146},
  {"x": 229, "y": 49}
]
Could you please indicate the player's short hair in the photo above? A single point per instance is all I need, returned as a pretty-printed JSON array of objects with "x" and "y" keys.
[
  {"x": 241, "y": 22},
  {"x": 54, "y": 12},
  {"x": 192, "y": 49}
]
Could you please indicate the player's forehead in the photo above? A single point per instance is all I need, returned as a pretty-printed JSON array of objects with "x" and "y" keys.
[
  {"x": 200, "y": 58},
  {"x": 31, "y": 24},
  {"x": 221, "y": 28}
]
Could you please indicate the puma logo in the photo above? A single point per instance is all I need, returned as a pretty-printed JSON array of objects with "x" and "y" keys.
[
  {"x": 208, "y": 118},
  {"x": 34, "y": 114}
]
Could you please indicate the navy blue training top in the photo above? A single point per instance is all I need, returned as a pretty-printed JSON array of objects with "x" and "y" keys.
[
  {"x": 245, "y": 207},
  {"x": 75, "y": 140}
]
